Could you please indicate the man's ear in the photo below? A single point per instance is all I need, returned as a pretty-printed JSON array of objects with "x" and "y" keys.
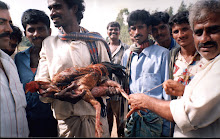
[
  {"x": 50, "y": 31},
  {"x": 75, "y": 8},
  {"x": 150, "y": 29}
]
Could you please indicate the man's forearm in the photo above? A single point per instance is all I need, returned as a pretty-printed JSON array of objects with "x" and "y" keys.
[{"x": 160, "y": 107}]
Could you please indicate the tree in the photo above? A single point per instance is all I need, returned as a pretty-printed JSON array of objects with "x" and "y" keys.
[
  {"x": 121, "y": 19},
  {"x": 190, "y": 5},
  {"x": 182, "y": 7},
  {"x": 169, "y": 11}
]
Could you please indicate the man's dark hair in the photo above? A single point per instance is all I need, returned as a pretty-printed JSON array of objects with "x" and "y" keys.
[
  {"x": 3, "y": 6},
  {"x": 16, "y": 34},
  {"x": 33, "y": 16},
  {"x": 139, "y": 15},
  {"x": 158, "y": 17},
  {"x": 179, "y": 18},
  {"x": 113, "y": 24},
  {"x": 81, "y": 8}
]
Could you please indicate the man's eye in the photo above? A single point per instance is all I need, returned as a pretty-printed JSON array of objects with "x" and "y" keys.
[
  {"x": 57, "y": 6},
  {"x": 198, "y": 32},
  {"x": 162, "y": 27},
  {"x": 175, "y": 31},
  {"x": 185, "y": 29},
  {"x": 31, "y": 30},
  {"x": 1, "y": 22},
  {"x": 214, "y": 30},
  {"x": 132, "y": 28}
]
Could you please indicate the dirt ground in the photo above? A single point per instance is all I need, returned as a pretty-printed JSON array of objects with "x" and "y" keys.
[{"x": 114, "y": 129}]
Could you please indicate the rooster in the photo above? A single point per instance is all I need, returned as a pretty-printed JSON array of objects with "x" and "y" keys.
[{"x": 80, "y": 81}]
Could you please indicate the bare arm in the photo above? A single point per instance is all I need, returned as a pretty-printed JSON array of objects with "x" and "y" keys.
[{"x": 160, "y": 107}]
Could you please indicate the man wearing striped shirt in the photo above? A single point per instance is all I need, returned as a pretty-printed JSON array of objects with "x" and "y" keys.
[{"x": 12, "y": 97}]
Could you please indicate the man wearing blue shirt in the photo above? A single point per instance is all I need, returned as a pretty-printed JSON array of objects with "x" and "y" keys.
[
  {"x": 161, "y": 30},
  {"x": 147, "y": 67},
  {"x": 40, "y": 116}
]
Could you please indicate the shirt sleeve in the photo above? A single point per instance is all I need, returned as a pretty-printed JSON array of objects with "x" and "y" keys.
[
  {"x": 165, "y": 72},
  {"x": 200, "y": 105},
  {"x": 42, "y": 70}
]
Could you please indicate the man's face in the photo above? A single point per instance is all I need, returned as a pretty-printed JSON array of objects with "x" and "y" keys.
[
  {"x": 161, "y": 33},
  {"x": 59, "y": 13},
  {"x": 139, "y": 32},
  {"x": 183, "y": 34},
  {"x": 113, "y": 33},
  {"x": 13, "y": 43},
  {"x": 36, "y": 33},
  {"x": 5, "y": 29},
  {"x": 207, "y": 36}
]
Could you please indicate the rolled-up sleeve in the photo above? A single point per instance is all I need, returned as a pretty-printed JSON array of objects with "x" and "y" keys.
[{"x": 200, "y": 105}]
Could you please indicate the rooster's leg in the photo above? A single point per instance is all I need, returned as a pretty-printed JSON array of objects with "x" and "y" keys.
[{"x": 88, "y": 97}]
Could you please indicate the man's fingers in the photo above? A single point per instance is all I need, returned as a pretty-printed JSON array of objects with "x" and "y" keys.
[{"x": 130, "y": 112}]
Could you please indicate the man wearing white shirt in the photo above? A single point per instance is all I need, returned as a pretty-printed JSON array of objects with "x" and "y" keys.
[{"x": 12, "y": 97}]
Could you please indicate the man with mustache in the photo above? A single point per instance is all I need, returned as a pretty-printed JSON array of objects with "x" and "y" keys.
[
  {"x": 40, "y": 118},
  {"x": 161, "y": 30},
  {"x": 147, "y": 67},
  {"x": 185, "y": 61},
  {"x": 73, "y": 46},
  {"x": 115, "y": 104},
  {"x": 196, "y": 113},
  {"x": 15, "y": 39},
  {"x": 12, "y": 98}
]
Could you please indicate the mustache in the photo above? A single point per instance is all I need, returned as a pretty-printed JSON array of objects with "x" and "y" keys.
[
  {"x": 5, "y": 34},
  {"x": 40, "y": 38},
  {"x": 207, "y": 43},
  {"x": 54, "y": 16},
  {"x": 114, "y": 33},
  {"x": 160, "y": 35},
  {"x": 138, "y": 35}
]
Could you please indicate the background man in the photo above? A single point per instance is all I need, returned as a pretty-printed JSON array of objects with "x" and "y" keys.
[
  {"x": 196, "y": 114},
  {"x": 161, "y": 30},
  {"x": 116, "y": 103},
  {"x": 36, "y": 26},
  {"x": 12, "y": 98}
]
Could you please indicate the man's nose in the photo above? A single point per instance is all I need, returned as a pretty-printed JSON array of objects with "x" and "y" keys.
[
  {"x": 8, "y": 28},
  {"x": 181, "y": 34},
  {"x": 36, "y": 33},
  {"x": 205, "y": 37}
]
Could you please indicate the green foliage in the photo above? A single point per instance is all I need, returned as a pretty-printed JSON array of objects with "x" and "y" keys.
[
  {"x": 182, "y": 7},
  {"x": 24, "y": 44},
  {"x": 121, "y": 19},
  {"x": 169, "y": 11}
]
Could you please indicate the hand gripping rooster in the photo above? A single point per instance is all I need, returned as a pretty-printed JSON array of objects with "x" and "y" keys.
[{"x": 74, "y": 81}]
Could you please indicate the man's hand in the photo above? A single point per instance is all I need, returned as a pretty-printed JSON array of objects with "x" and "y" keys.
[
  {"x": 173, "y": 88},
  {"x": 137, "y": 100}
]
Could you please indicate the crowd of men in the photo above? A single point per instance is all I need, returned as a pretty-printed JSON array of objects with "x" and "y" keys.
[{"x": 172, "y": 80}]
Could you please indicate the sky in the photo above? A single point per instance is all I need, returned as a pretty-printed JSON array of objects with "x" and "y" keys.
[{"x": 98, "y": 13}]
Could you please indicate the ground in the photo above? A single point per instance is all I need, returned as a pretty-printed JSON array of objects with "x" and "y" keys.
[{"x": 114, "y": 129}]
